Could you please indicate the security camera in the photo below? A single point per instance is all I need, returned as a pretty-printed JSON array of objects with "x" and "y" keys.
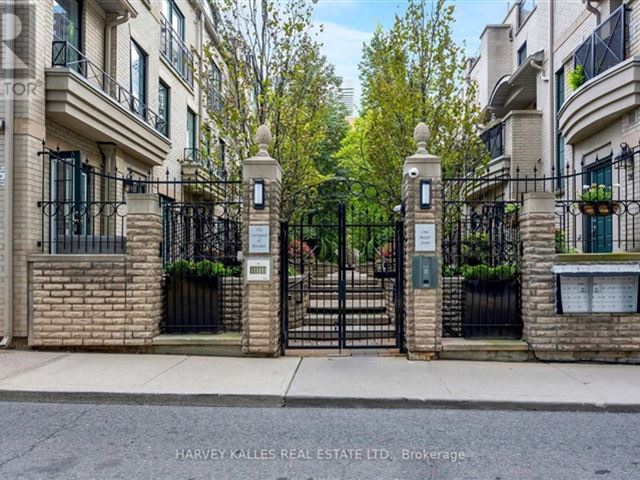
[{"x": 414, "y": 172}]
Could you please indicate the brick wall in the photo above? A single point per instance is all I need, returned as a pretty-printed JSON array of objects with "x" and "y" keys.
[{"x": 599, "y": 337}]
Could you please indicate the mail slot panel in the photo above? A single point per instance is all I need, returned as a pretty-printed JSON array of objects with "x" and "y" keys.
[{"x": 425, "y": 272}]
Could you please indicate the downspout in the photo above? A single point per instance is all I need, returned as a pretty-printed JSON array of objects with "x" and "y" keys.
[
  {"x": 108, "y": 29},
  {"x": 200, "y": 70},
  {"x": 8, "y": 189},
  {"x": 593, "y": 10},
  {"x": 552, "y": 79}
]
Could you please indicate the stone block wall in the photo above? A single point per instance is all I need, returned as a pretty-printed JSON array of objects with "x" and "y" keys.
[
  {"x": 102, "y": 301},
  {"x": 260, "y": 302},
  {"x": 423, "y": 307},
  {"x": 595, "y": 337},
  {"x": 79, "y": 300}
]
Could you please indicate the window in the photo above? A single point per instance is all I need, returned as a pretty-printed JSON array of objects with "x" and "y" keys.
[
  {"x": 522, "y": 53},
  {"x": 174, "y": 16},
  {"x": 71, "y": 187},
  {"x": 66, "y": 28},
  {"x": 214, "y": 95},
  {"x": 66, "y": 21},
  {"x": 172, "y": 40},
  {"x": 138, "y": 80},
  {"x": 191, "y": 130},
  {"x": 525, "y": 7},
  {"x": 163, "y": 108},
  {"x": 560, "y": 143}
]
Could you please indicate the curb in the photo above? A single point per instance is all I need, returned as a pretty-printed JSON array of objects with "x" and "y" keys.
[{"x": 292, "y": 401}]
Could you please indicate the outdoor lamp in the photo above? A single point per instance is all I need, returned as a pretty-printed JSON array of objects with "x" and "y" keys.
[
  {"x": 258, "y": 194},
  {"x": 425, "y": 194}
]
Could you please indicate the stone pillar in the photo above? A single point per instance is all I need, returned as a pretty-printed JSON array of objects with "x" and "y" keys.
[
  {"x": 537, "y": 233},
  {"x": 261, "y": 299},
  {"x": 144, "y": 269},
  {"x": 423, "y": 307}
]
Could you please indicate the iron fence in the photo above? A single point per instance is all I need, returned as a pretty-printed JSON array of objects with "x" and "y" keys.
[
  {"x": 64, "y": 54},
  {"x": 605, "y": 47}
]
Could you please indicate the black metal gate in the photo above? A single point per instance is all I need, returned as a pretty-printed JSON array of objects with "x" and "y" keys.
[
  {"x": 481, "y": 253},
  {"x": 341, "y": 264}
]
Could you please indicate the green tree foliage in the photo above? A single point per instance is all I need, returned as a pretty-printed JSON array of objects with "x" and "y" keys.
[
  {"x": 275, "y": 74},
  {"x": 411, "y": 73}
]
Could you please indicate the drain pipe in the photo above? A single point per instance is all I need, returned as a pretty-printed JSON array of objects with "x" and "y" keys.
[
  {"x": 8, "y": 190},
  {"x": 541, "y": 69},
  {"x": 552, "y": 90},
  {"x": 108, "y": 29},
  {"x": 592, "y": 9}
]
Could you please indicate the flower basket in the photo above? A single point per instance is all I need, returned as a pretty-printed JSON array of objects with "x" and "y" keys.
[{"x": 599, "y": 209}]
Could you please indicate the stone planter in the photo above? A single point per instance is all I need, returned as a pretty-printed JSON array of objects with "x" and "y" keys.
[
  {"x": 192, "y": 304},
  {"x": 491, "y": 309}
]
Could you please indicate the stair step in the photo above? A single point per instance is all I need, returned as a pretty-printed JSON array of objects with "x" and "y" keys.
[
  {"x": 370, "y": 305},
  {"x": 331, "y": 320},
  {"x": 353, "y": 332}
]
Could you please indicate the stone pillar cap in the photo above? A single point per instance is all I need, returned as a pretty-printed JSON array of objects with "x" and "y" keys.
[{"x": 263, "y": 139}]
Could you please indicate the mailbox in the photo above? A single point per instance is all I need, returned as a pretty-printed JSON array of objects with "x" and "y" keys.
[{"x": 425, "y": 272}]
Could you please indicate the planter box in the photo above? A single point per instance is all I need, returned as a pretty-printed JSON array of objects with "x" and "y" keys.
[
  {"x": 491, "y": 309},
  {"x": 599, "y": 209},
  {"x": 192, "y": 304}
]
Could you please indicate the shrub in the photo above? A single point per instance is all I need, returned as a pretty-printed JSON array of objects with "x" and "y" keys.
[
  {"x": 505, "y": 271},
  {"x": 576, "y": 77},
  {"x": 203, "y": 268}
]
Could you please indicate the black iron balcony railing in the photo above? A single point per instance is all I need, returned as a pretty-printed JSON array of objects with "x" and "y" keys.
[
  {"x": 494, "y": 140},
  {"x": 66, "y": 55},
  {"x": 193, "y": 156},
  {"x": 605, "y": 47},
  {"x": 175, "y": 51}
]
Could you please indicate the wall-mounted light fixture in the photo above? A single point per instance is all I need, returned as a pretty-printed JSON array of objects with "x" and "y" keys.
[
  {"x": 425, "y": 194},
  {"x": 258, "y": 194},
  {"x": 1, "y": 124}
]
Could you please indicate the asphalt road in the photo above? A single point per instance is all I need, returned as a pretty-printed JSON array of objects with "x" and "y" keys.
[{"x": 65, "y": 441}]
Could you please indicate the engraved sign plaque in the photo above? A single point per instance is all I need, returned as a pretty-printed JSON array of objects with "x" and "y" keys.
[
  {"x": 258, "y": 238},
  {"x": 425, "y": 237}
]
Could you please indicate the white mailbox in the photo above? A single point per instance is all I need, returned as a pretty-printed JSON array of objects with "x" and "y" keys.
[
  {"x": 258, "y": 269},
  {"x": 597, "y": 288}
]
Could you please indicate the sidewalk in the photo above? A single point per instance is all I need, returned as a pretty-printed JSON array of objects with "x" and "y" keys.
[{"x": 367, "y": 381}]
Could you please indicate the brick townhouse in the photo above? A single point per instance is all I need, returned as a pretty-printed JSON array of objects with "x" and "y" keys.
[
  {"x": 541, "y": 122},
  {"x": 121, "y": 88}
]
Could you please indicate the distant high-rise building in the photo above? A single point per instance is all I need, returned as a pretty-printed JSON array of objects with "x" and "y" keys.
[{"x": 346, "y": 94}]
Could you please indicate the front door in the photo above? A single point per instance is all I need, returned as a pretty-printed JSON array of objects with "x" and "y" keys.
[
  {"x": 341, "y": 266},
  {"x": 598, "y": 231}
]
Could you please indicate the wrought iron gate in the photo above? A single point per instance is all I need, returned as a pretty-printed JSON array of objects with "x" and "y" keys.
[
  {"x": 481, "y": 253},
  {"x": 341, "y": 264}
]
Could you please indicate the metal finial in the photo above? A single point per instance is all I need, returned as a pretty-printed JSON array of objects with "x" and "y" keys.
[
  {"x": 263, "y": 139},
  {"x": 421, "y": 136}
]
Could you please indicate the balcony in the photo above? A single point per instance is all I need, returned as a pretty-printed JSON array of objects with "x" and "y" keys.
[
  {"x": 493, "y": 139},
  {"x": 86, "y": 99},
  {"x": 601, "y": 101},
  {"x": 605, "y": 47},
  {"x": 194, "y": 165},
  {"x": 175, "y": 51}
]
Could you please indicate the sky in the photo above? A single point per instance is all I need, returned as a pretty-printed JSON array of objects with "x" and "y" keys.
[{"x": 350, "y": 23}]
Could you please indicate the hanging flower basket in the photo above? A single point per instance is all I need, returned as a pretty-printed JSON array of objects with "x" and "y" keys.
[{"x": 599, "y": 209}]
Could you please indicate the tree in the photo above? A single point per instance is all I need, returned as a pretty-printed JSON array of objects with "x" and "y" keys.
[
  {"x": 412, "y": 73},
  {"x": 275, "y": 74}
]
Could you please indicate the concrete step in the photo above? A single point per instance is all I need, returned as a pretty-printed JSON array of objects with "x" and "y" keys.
[
  {"x": 356, "y": 296},
  {"x": 320, "y": 319},
  {"x": 353, "y": 332},
  {"x": 373, "y": 305}
]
